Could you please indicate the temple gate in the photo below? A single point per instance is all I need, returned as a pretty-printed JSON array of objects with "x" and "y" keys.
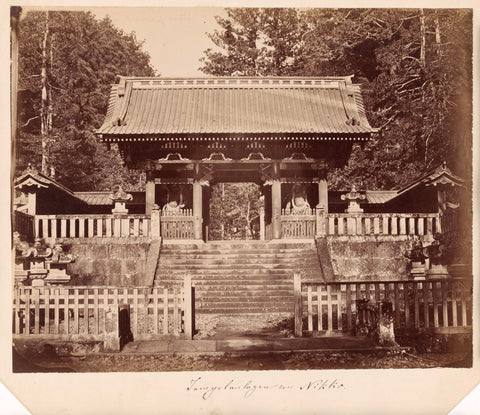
[{"x": 280, "y": 133}]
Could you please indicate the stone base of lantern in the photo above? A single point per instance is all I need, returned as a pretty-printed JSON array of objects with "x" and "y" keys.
[
  {"x": 418, "y": 271},
  {"x": 438, "y": 271},
  {"x": 57, "y": 274},
  {"x": 37, "y": 277},
  {"x": 21, "y": 276}
]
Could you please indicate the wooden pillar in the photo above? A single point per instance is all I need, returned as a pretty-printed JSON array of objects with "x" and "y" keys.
[
  {"x": 262, "y": 223},
  {"x": 323, "y": 194},
  {"x": 197, "y": 210},
  {"x": 149, "y": 193},
  {"x": 298, "y": 312},
  {"x": 32, "y": 202},
  {"x": 442, "y": 200},
  {"x": 276, "y": 208}
]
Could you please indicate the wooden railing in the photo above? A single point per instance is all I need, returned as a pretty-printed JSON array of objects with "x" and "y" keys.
[
  {"x": 88, "y": 226},
  {"x": 24, "y": 224},
  {"x": 83, "y": 312},
  {"x": 297, "y": 226},
  {"x": 177, "y": 225},
  {"x": 439, "y": 305},
  {"x": 383, "y": 224}
]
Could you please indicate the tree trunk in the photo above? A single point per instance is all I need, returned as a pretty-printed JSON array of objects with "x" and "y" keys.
[
  {"x": 44, "y": 111},
  {"x": 422, "y": 41},
  {"x": 438, "y": 39},
  {"x": 14, "y": 18}
]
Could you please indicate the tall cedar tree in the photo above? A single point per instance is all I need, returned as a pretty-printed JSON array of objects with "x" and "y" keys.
[
  {"x": 415, "y": 67},
  {"x": 82, "y": 57}
]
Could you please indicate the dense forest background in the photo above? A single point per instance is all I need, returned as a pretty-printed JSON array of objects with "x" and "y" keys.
[
  {"x": 415, "y": 67},
  {"x": 67, "y": 63}
]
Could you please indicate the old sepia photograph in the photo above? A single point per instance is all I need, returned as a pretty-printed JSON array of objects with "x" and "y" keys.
[{"x": 206, "y": 189}]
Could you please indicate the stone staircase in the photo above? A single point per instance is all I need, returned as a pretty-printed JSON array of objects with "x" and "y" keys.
[{"x": 239, "y": 277}]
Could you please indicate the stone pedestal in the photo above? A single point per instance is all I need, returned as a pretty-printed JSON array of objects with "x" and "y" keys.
[
  {"x": 437, "y": 271},
  {"x": 20, "y": 271},
  {"x": 418, "y": 271},
  {"x": 57, "y": 273},
  {"x": 386, "y": 334},
  {"x": 37, "y": 276}
]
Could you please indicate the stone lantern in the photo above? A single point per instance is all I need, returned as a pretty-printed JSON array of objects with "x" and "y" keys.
[
  {"x": 439, "y": 257},
  {"x": 354, "y": 197},
  {"x": 120, "y": 198},
  {"x": 57, "y": 266},
  {"x": 417, "y": 257}
]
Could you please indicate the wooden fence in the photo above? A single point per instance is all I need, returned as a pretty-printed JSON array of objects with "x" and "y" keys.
[
  {"x": 88, "y": 226},
  {"x": 72, "y": 313},
  {"x": 440, "y": 305},
  {"x": 178, "y": 225}
]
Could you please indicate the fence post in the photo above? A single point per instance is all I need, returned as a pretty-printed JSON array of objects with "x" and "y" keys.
[
  {"x": 320, "y": 222},
  {"x": 111, "y": 342},
  {"x": 297, "y": 292},
  {"x": 155, "y": 222},
  {"x": 188, "y": 307}
]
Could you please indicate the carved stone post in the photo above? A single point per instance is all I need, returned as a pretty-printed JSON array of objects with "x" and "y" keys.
[
  {"x": 197, "y": 210},
  {"x": 321, "y": 222},
  {"x": 155, "y": 221}
]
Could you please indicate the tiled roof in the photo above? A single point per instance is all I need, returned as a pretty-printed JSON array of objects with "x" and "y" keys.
[
  {"x": 380, "y": 196},
  {"x": 103, "y": 198},
  {"x": 32, "y": 177},
  {"x": 237, "y": 105}
]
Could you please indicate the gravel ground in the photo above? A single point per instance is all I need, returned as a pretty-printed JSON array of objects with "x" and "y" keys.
[{"x": 118, "y": 362}]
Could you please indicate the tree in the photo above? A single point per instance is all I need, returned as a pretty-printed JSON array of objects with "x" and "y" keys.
[
  {"x": 254, "y": 42},
  {"x": 417, "y": 86},
  {"x": 234, "y": 210},
  {"x": 67, "y": 62}
]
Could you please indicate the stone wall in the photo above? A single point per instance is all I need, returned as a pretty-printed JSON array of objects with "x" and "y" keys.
[
  {"x": 368, "y": 258},
  {"x": 112, "y": 261}
]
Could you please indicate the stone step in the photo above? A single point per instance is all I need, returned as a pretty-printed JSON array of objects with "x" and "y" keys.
[
  {"x": 237, "y": 251},
  {"x": 234, "y": 267},
  {"x": 231, "y": 286},
  {"x": 242, "y": 299},
  {"x": 245, "y": 310},
  {"x": 238, "y": 277},
  {"x": 238, "y": 258},
  {"x": 237, "y": 246},
  {"x": 209, "y": 275}
]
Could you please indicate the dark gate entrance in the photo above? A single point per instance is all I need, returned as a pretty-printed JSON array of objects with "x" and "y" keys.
[{"x": 234, "y": 211}]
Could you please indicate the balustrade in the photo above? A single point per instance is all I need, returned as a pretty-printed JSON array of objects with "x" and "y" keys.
[
  {"x": 419, "y": 224},
  {"x": 339, "y": 224},
  {"x": 89, "y": 226}
]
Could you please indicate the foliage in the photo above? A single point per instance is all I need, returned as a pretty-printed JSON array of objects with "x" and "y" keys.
[
  {"x": 414, "y": 66},
  {"x": 235, "y": 207},
  {"x": 83, "y": 57},
  {"x": 254, "y": 42}
]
